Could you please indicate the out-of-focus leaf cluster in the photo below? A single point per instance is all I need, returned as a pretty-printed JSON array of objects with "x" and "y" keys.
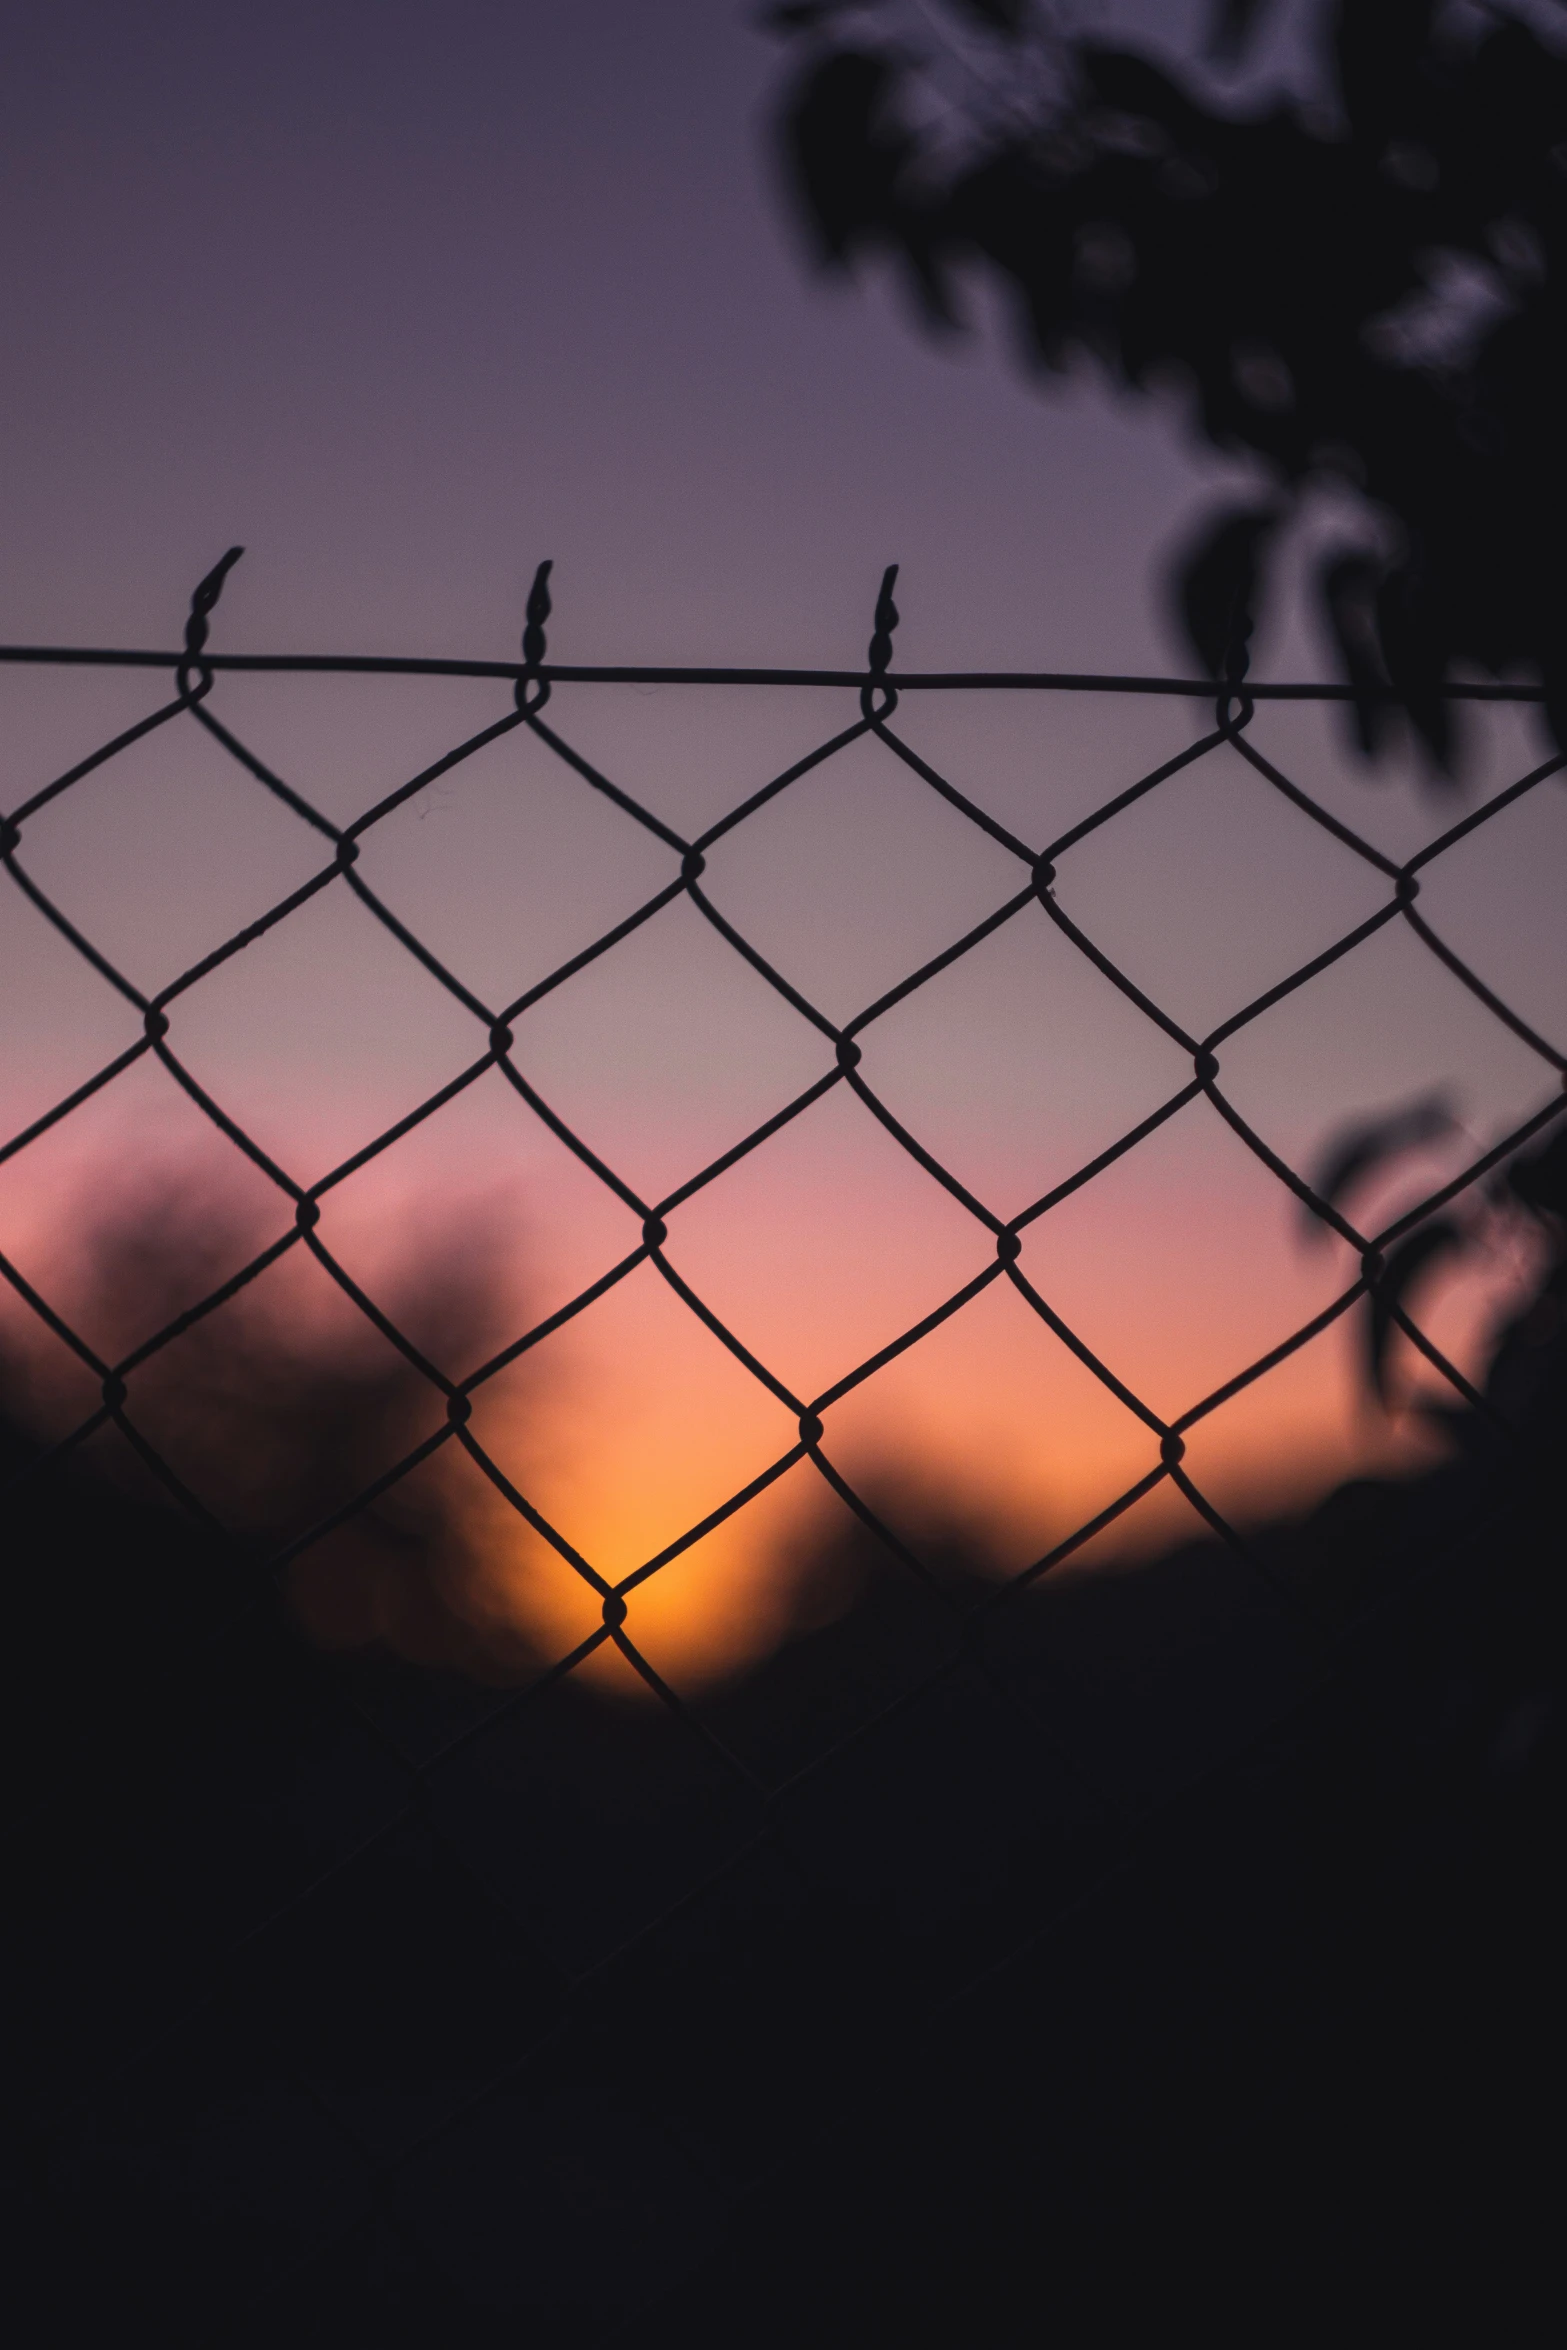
[{"x": 1368, "y": 293}]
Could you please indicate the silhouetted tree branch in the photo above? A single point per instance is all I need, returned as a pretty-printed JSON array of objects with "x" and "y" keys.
[{"x": 1365, "y": 292}]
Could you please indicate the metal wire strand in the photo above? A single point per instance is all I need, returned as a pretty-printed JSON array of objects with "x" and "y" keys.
[{"x": 499, "y": 1055}]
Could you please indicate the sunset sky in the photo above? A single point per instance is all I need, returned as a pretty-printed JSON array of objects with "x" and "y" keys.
[{"x": 405, "y": 298}]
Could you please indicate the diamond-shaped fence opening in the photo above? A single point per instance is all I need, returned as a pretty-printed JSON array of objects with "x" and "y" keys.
[
  {"x": 1220, "y": 780},
  {"x": 1028, "y": 904}
]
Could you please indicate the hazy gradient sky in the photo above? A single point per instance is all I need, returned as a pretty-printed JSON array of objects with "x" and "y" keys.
[{"x": 404, "y": 297}]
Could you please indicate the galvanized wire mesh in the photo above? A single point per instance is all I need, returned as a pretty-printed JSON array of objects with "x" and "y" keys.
[{"x": 501, "y": 1046}]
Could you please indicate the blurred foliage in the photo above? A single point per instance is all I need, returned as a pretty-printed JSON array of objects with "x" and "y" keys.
[{"x": 1362, "y": 291}]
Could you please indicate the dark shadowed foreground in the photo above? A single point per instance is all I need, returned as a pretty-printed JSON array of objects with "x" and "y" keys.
[{"x": 1165, "y": 1957}]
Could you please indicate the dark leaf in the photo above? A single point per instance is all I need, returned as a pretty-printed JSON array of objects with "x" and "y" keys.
[
  {"x": 1232, "y": 27},
  {"x": 1347, "y": 585},
  {"x": 1463, "y": 1428},
  {"x": 801, "y": 16},
  {"x": 1133, "y": 85},
  {"x": 843, "y": 152},
  {"x": 1409, "y": 628},
  {"x": 1540, "y": 1179},
  {"x": 1405, "y": 1266},
  {"x": 1215, "y": 585},
  {"x": 846, "y": 150},
  {"x": 1380, "y": 47},
  {"x": 1554, "y": 679},
  {"x": 1359, "y": 1150},
  {"x": 997, "y": 16}
]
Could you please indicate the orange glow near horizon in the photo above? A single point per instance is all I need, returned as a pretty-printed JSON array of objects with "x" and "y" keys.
[
  {"x": 1179, "y": 1265},
  {"x": 633, "y": 1424}
]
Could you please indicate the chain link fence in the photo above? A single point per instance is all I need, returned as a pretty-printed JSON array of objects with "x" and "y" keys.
[{"x": 405, "y": 1814}]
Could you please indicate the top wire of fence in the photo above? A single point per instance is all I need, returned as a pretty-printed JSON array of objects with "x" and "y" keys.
[{"x": 501, "y": 1045}]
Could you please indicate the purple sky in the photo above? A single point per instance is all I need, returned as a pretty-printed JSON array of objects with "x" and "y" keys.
[{"x": 405, "y": 296}]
